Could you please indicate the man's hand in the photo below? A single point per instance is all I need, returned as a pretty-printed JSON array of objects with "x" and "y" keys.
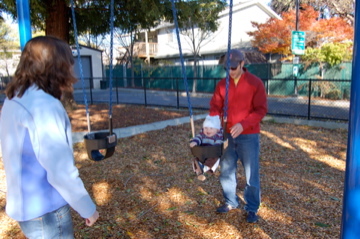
[
  {"x": 236, "y": 130},
  {"x": 91, "y": 220}
]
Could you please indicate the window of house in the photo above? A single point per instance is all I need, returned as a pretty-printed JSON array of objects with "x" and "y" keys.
[{"x": 171, "y": 34}]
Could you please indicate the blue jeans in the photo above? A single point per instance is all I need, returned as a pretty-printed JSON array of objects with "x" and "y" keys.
[
  {"x": 246, "y": 148},
  {"x": 56, "y": 224}
]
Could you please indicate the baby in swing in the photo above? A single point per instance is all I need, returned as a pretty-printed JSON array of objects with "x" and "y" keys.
[{"x": 210, "y": 134}]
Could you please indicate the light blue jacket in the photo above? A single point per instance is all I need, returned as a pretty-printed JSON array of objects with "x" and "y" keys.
[{"x": 38, "y": 158}]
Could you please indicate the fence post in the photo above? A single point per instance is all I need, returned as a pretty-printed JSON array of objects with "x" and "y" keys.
[
  {"x": 116, "y": 88},
  {"x": 177, "y": 94},
  {"x": 309, "y": 101},
  {"x": 91, "y": 87},
  {"x": 269, "y": 74},
  {"x": 124, "y": 75},
  {"x": 145, "y": 98}
]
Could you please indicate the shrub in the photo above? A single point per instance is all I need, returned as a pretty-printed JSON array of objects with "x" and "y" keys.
[{"x": 333, "y": 95}]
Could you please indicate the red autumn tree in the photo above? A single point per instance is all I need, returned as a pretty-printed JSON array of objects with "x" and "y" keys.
[
  {"x": 333, "y": 30},
  {"x": 274, "y": 36}
]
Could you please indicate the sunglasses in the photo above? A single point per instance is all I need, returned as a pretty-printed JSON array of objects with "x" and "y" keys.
[{"x": 232, "y": 68}]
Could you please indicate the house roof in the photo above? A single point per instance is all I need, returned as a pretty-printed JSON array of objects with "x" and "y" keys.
[
  {"x": 248, "y": 3},
  {"x": 83, "y": 46}
]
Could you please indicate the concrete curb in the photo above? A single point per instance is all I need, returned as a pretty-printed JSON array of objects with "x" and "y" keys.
[
  {"x": 312, "y": 123},
  {"x": 138, "y": 129},
  {"x": 78, "y": 137}
]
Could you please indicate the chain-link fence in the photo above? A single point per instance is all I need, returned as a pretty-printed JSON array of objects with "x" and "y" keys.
[
  {"x": 309, "y": 99},
  {"x": 303, "y": 98}
]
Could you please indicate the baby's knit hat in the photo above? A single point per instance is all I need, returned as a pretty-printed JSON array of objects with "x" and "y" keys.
[{"x": 212, "y": 121}]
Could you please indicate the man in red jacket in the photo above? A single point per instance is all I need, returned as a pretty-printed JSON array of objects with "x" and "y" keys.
[{"x": 247, "y": 105}]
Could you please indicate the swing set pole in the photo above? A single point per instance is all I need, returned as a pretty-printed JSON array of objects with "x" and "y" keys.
[
  {"x": 351, "y": 212},
  {"x": 23, "y": 12}
]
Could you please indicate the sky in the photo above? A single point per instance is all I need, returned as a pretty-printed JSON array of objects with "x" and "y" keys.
[{"x": 9, "y": 21}]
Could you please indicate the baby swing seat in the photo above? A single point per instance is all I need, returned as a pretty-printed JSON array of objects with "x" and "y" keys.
[
  {"x": 204, "y": 152},
  {"x": 94, "y": 142}
]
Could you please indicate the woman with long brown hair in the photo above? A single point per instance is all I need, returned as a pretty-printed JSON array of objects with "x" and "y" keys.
[{"x": 42, "y": 180}]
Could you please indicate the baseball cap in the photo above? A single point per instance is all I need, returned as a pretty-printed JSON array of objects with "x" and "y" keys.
[{"x": 235, "y": 57}]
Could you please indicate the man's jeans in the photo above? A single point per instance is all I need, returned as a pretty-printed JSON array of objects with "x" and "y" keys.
[
  {"x": 56, "y": 224},
  {"x": 246, "y": 148}
]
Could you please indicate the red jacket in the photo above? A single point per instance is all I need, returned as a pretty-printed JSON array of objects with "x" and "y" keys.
[{"x": 247, "y": 103}]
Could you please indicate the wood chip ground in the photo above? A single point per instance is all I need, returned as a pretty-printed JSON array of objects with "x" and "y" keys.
[{"x": 147, "y": 188}]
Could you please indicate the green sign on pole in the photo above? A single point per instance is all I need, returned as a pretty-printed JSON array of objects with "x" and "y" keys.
[{"x": 298, "y": 42}]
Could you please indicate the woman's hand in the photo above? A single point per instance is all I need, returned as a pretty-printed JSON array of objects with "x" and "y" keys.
[{"x": 91, "y": 220}]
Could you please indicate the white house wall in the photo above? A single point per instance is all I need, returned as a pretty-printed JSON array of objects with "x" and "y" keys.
[
  {"x": 242, "y": 16},
  {"x": 167, "y": 42},
  {"x": 96, "y": 63},
  {"x": 97, "y": 69}
]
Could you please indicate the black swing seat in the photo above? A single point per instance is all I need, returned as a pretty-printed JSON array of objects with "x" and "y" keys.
[
  {"x": 204, "y": 152},
  {"x": 94, "y": 142}
]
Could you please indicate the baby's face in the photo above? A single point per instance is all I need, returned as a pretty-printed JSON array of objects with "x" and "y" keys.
[{"x": 210, "y": 131}]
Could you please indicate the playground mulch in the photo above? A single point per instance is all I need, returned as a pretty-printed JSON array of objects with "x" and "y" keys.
[{"x": 147, "y": 188}]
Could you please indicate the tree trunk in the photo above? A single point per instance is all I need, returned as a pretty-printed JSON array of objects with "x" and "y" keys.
[
  {"x": 57, "y": 19},
  {"x": 57, "y": 25}
]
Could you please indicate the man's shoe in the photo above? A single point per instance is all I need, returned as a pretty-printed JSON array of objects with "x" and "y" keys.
[
  {"x": 225, "y": 208},
  {"x": 251, "y": 217}
]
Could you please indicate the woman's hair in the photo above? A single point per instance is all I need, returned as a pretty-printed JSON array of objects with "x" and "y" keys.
[{"x": 46, "y": 62}]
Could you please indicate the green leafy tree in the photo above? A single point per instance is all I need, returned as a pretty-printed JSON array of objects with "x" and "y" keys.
[
  {"x": 135, "y": 16},
  {"x": 7, "y": 46},
  {"x": 332, "y": 53},
  {"x": 328, "y": 55},
  {"x": 52, "y": 16},
  {"x": 92, "y": 17},
  {"x": 197, "y": 22}
]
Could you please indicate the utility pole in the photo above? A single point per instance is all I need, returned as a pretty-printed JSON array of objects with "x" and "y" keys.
[
  {"x": 296, "y": 58},
  {"x": 297, "y": 15}
]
